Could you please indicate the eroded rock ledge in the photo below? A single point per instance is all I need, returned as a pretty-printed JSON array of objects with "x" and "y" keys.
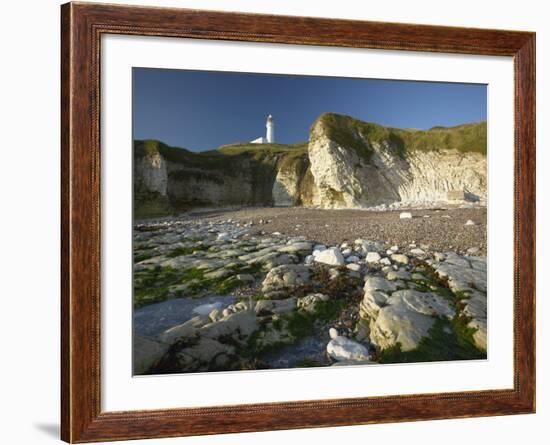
[{"x": 209, "y": 296}]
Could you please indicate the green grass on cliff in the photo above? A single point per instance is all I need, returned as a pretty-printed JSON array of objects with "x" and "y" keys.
[
  {"x": 254, "y": 149},
  {"x": 352, "y": 133},
  {"x": 219, "y": 158},
  {"x": 150, "y": 147}
]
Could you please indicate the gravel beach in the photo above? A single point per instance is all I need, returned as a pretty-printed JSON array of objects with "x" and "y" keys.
[{"x": 440, "y": 229}]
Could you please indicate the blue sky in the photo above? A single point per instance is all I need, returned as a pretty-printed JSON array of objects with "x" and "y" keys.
[{"x": 201, "y": 110}]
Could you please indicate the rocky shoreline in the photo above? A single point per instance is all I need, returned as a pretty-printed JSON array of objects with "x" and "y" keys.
[{"x": 226, "y": 291}]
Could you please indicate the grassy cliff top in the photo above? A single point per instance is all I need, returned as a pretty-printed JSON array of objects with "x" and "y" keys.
[
  {"x": 237, "y": 149},
  {"x": 222, "y": 158},
  {"x": 344, "y": 130}
]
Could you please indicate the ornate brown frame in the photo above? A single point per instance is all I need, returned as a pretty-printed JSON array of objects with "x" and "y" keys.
[{"x": 82, "y": 25}]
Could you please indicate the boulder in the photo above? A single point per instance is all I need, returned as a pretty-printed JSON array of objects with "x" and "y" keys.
[
  {"x": 275, "y": 306},
  {"x": 206, "y": 354},
  {"x": 462, "y": 278},
  {"x": 301, "y": 247},
  {"x": 238, "y": 325},
  {"x": 378, "y": 283},
  {"x": 309, "y": 302},
  {"x": 480, "y": 335},
  {"x": 368, "y": 245},
  {"x": 373, "y": 301},
  {"x": 281, "y": 279},
  {"x": 187, "y": 329},
  {"x": 405, "y": 317},
  {"x": 394, "y": 275},
  {"x": 146, "y": 352},
  {"x": 331, "y": 256}
]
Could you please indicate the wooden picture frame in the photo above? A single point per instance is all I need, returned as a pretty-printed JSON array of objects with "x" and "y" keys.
[{"x": 82, "y": 25}]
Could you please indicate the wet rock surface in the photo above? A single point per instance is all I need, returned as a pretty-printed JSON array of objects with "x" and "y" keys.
[{"x": 213, "y": 294}]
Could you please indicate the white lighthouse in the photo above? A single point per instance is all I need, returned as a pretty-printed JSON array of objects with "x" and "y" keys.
[{"x": 269, "y": 134}]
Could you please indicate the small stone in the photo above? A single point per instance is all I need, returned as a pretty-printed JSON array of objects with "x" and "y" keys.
[
  {"x": 438, "y": 256},
  {"x": 333, "y": 333},
  {"x": 418, "y": 276},
  {"x": 224, "y": 236},
  {"x": 400, "y": 258},
  {"x": 405, "y": 215},
  {"x": 385, "y": 261},
  {"x": 472, "y": 250},
  {"x": 354, "y": 267},
  {"x": 342, "y": 348},
  {"x": 309, "y": 302},
  {"x": 394, "y": 249},
  {"x": 398, "y": 275},
  {"x": 275, "y": 306},
  {"x": 372, "y": 257},
  {"x": 417, "y": 252},
  {"x": 245, "y": 278},
  {"x": 205, "y": 309},
  {"x": 470, "y": 223},
  {"x": 352, "y": 259}
]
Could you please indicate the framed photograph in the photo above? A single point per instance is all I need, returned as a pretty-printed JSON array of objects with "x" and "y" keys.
[{"x": 275, "y": 222}]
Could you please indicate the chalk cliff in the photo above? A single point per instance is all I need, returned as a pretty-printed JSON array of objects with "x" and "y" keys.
[
  {"x": 356, "y": 164},
  {"x": 346, "y": 164}
]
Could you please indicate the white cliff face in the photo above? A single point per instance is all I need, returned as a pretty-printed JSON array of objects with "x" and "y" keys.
[
  {"x": 284, "y": 190},
  {"x": 430, "y": 175},
  {"x": 286, "y": 187},
  {"x": 344, "y": 179},
  {"x": 151, "y": 171}
]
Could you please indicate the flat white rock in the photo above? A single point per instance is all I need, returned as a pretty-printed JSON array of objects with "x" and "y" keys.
[{"x": 342, "y": 348}]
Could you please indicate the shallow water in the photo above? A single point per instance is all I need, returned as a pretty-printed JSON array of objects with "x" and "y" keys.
[
  {"x": 151, "y": 320},
  {"x": 310, "y": 348}
]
